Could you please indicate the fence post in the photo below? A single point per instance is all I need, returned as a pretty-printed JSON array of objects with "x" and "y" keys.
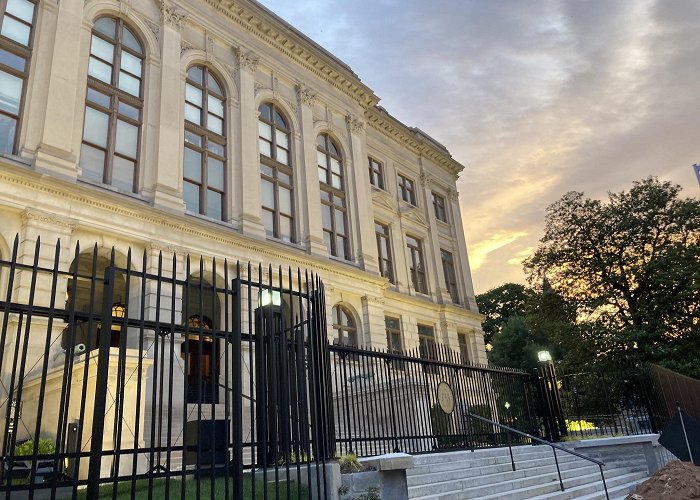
[{"x": 99, "y": 407}]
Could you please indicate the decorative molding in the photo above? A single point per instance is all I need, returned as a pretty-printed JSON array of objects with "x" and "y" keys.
[
  {"x": 209, "y": 47},
  {"x": 426, "y": 179},
  {"x": 124, "y": 8},
  {"x": 232, "y": 71},
  {"x": 185, "y": 46},
  {"x": 257, "y": 86},
  {"x": 383, "y": 200},
  {"x": 305, "y": 95},
  {"x": 171, "y": 16},
  {"x": 453, "y": 194},
  {"x": 40, "y": 218},
  {"x": 355, "y": 125},
  {"x": 154, "y": 27},
  {"x": 413, "y": 214},
  {"x": 371, "y": 299},
  {"x": 248, "y": 61}
]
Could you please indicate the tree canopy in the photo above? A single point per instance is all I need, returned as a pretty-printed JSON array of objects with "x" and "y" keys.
[
  {"x": 499, "y": 304},
  {"x": 630, "y": 266}
]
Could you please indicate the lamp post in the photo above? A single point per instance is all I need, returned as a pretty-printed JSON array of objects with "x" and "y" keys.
[{"x": 555, "y": 423}]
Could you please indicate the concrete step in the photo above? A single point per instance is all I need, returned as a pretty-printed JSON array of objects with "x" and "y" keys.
[
  {"x": 450, "y": 456},
  {"x": 466, "y": 463},
  {"x": 618, "y": 488},
  {"x": 417, "y": 479},
  {"x": 501, "y": 481},
  {"x": 540, "y": 486}
]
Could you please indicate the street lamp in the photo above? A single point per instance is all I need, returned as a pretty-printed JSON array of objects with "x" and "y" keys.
[{"x": 544, "y": 356}]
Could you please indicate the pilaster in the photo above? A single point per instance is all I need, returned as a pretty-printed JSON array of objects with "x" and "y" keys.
[
  {"x": 59, "y": 119},
  {"x": 310, "y": 224},
  {"x": 169, "y": 119},
  {"x": 373, "y": 321},
  {"x": 464, "y": 276},
  {"x": 249, "y": 185},
  {"x": 438, "y": 287},
  {"x": 365, "y": 241}
]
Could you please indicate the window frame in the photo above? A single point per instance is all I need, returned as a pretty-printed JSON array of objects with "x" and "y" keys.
[
  {"x": 407, "y": 189},
  {"x": 25, "y": 52},
  {"x": 277, "y": 167},
  {"x": 417, "y": 264},
  {"x": 450, "y": 273},
  {"x": 440, "y": 207},
  {"x": 463, "y": 347},
  {"x": 385, "y": 261},
  {"x": 395, "y": 332},
  {"x": 207, "y": 136},
  {"x": 427, "y": 344},
  {"x": 376, "y": 173},
  {"x": 332, "y": 194},
  {"x": 116, "y": 97},
  {"x": 339, "y": 327}
]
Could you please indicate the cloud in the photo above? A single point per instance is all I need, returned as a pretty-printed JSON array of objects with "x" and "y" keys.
[{"x": 536, "y": 98}]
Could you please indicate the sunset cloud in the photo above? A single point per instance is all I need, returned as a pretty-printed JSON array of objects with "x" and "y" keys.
[{"x": 535, "y": 98}]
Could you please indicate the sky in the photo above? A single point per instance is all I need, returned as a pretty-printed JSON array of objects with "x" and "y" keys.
[{"x": 535, "y": 97}]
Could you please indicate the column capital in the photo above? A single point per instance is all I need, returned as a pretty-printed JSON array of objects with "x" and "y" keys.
[
  {"x": 305, "y": 95},
  {"x": 355, "y": 124},
  {"x": 248, "y": 61},
  {"x": 172, "y": 17}
]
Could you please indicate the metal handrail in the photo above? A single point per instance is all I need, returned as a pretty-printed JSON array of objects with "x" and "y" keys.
[{"x": 555, "y": 447}]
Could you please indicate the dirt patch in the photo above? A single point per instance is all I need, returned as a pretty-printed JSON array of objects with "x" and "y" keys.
[{"x": 678, "y": 480}]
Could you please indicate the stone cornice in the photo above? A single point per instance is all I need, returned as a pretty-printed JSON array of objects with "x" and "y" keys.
[
  {"x": 416, "y": 141},
  {"x": 277, "y": 33}
]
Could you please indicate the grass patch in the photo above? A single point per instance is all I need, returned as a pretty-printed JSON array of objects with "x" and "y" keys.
[{"x": 206, "y": 485}]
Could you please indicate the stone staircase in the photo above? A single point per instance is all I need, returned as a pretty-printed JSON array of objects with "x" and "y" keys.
[{"x": 488, "y": 475}]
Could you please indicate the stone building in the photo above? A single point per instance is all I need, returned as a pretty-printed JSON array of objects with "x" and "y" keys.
[{"x": 213, "y": 128}]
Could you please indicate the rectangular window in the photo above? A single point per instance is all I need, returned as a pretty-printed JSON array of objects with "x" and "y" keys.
[
  {"x": 463, "y": 348},
  {"x": 426, "y": 342},
  {"x": 393, "y": 335},
  {"x": 416, "y": 263},
  {"x": 386, "y": 267},
  {"x": 376, "y": 173},
  {"x": 448, "y": 268},
  {"x": 407, "y": 188},
  {"x": 439, "y": 207}
]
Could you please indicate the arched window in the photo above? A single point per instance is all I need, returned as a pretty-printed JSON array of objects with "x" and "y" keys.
[
  {"x": 344, "y": 326},
  {"x": 114, "y": 107},
  {"x": 276, "y": 173},
  {"x": 16, "y": 23},
  {"x": 333, "y": 200},
  {"x": 204, "y": 180}
]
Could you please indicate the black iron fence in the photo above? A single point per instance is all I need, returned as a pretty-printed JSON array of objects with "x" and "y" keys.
[
  {"x": 419, "y": 401},
  {"x": 125, "y": 376}
]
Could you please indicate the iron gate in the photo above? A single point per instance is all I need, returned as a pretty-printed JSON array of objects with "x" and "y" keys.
[{"x": 163, "y": 374}]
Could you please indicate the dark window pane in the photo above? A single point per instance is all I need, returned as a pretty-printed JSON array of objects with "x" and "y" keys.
[
  {"x": 10, "y": 92},
  {"x": 123, "y": 173},
  {"x": 214, "y": 204},
  {"x": 98, "y": 98},
  {"x": 264, "y": 111},
  {"x": 15, "y": 30},
  {"x": 8, "y": 126},
  {"x": 92, "y": 162},
  {"x": 191, "y": 197},
  {"x": 96, "y": 126},
  {"x": 193, "y": 165},
  {"x": 195, "y": 74},
  {"x": 106, "y": 26},
  {"x": 280, "y": 121},
  {"x": 214, "y": 86},
  {"x": 12, "y": 60},
  {"x": 129, "y": 40},
  {"x": 22, "y": 9}
]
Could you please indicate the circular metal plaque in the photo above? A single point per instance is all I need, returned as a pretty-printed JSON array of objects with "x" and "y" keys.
[{"x": 445, "y": 397}]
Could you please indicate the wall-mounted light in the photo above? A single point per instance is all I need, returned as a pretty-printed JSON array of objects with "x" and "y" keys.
[
  {"x": 268, "y": 297},
  {"x": 118, "y": 310},
  {"x": 544, "y": 356}
]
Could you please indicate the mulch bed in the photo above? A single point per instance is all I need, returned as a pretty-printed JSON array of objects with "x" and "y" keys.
[{"x": 677, "y": 480}]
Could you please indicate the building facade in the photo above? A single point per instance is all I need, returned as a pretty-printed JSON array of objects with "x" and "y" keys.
[{"x": 214, "y": 129}]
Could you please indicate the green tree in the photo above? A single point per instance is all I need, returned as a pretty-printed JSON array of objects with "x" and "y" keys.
[
  {"x": 499, "y": 305},
  {"x": 516, "y": 345},
  {"x": 630, "y": 267}
]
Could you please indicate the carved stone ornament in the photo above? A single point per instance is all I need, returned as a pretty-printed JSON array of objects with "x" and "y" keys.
[
  {"x": 355, "y": 125},
  {"x": 248, "y": 61},
  {"x": 305, "y": 95},
  {"x": 454, "y": 194},
  {"x": 155, "y": 28},
  {"x": 170, "y": 16},
  {"x": 425, "y": 179},
  {"x": 258, "y": 87},
  {"x": 47, "y": 219},
  {"x": 370, "y": 299},
  {"x": 185, "y": 46},
  {"x": 210, "y": 48}
]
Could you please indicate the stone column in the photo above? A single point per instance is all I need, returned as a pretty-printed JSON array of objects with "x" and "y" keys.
[
  {"x": 464, "y": 277},
  {"x": 249, "y": 185},
  {"x": 310, "y": 224},
  {"x": 373, "y": 321},
  {"x": 438, "y": 285},
  {"x": 58, "y": 31},
  {"x": 365, "y": 244},
  {"x": 169, "y": 118}
]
